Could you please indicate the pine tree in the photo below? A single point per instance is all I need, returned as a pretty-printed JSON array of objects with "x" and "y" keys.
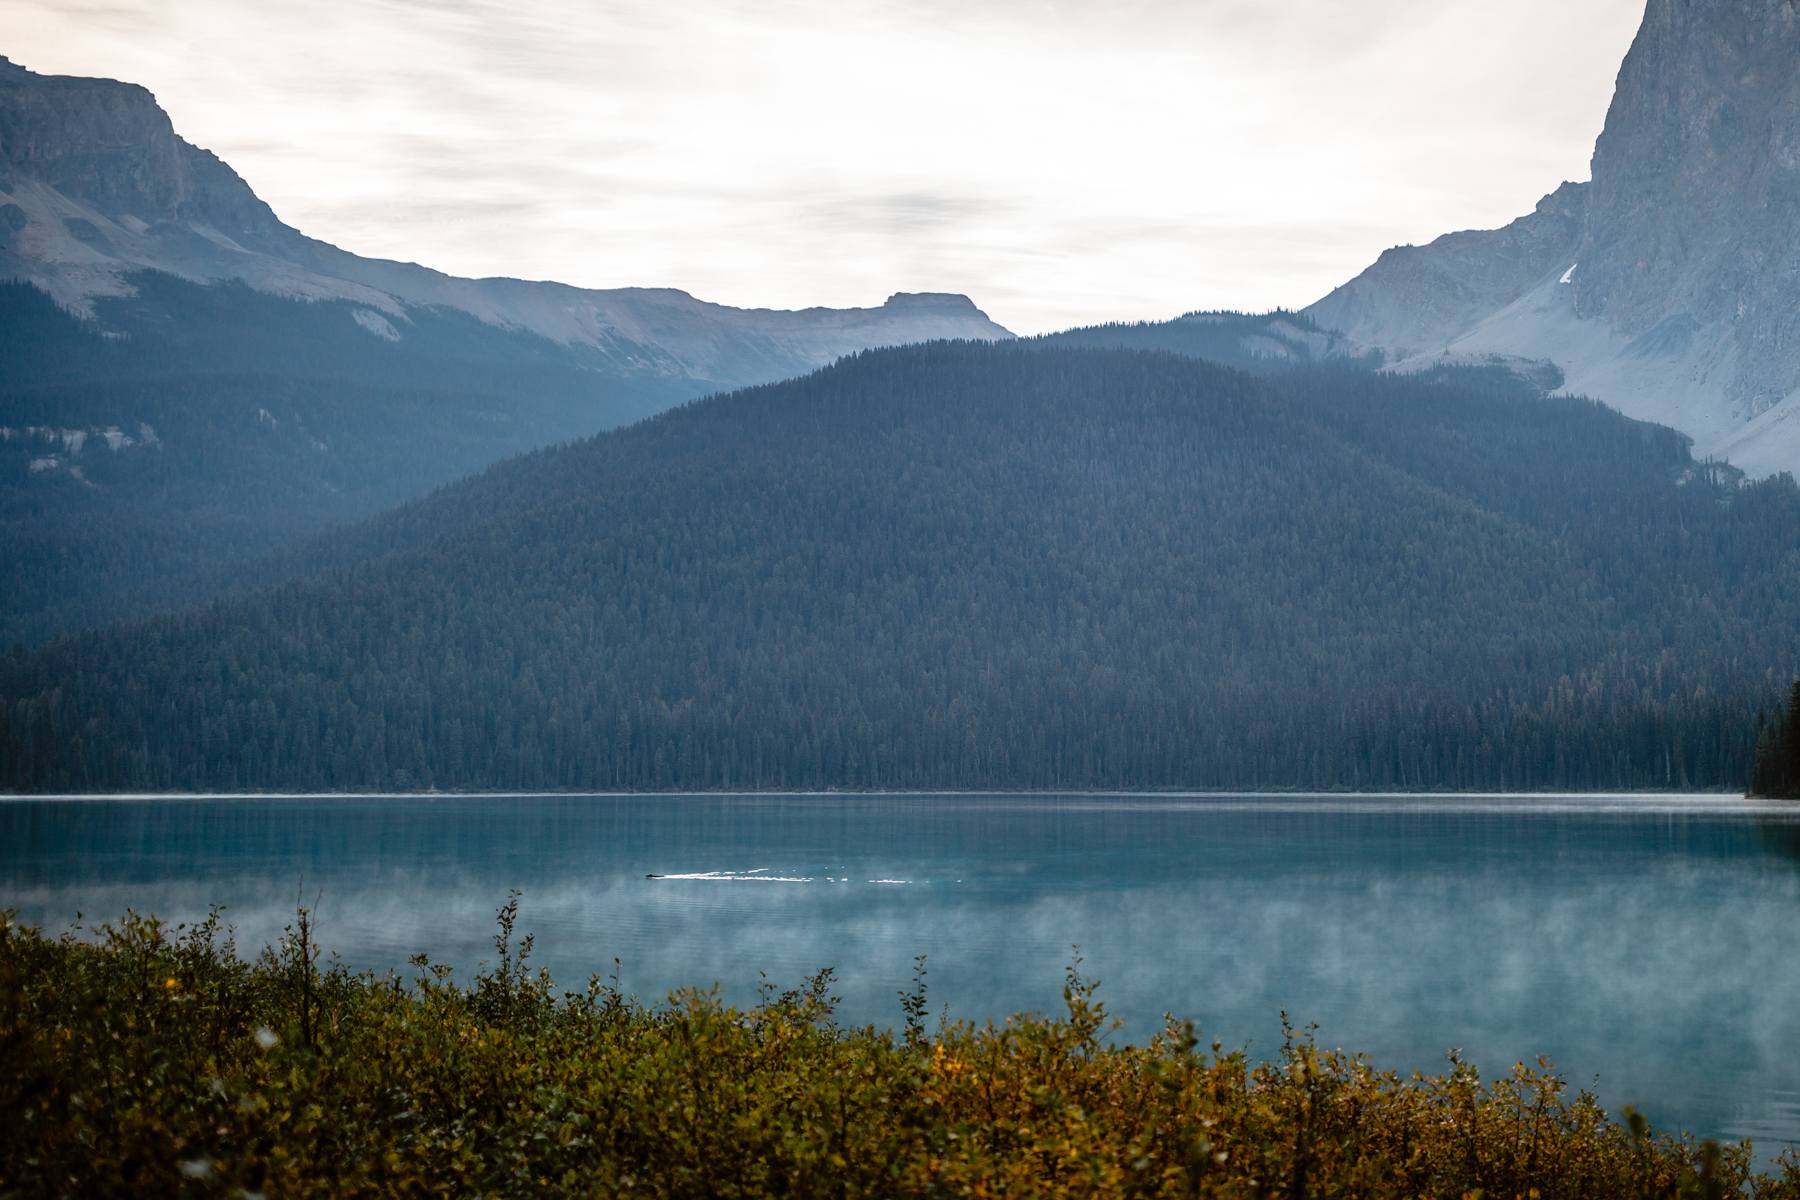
[
  {"x": 1787, "y": 781},
  {"x": 1777, "y": 771}
]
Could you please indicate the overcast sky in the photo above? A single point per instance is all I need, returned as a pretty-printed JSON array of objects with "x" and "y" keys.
[{"x": 1060, "y": 162}]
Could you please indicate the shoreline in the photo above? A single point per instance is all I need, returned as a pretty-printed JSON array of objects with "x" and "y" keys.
[{"x": 1542, "y": 801}]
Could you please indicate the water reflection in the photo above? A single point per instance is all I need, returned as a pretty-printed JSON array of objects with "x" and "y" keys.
[
  {"x": 1649, "y": 942},
  {"x": 1781, "y": 835}
]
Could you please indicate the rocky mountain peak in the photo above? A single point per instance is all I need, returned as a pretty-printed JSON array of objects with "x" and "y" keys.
[
  {"x": 1696, "y": 192},
  {"x": 111, "y": 147},
  {"x": 1669, "y": 286},
  {"x": 935, "y": 300}
]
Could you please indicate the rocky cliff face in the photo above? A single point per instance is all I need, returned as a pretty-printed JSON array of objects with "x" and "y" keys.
[
  {"x": 108, "y": 146},
  {"x": 1696, "y": 193},
  {"x": 95, "y": 184},
  {"x": 1669, "y": 286},
  {"x": 1417, "y": 299}
]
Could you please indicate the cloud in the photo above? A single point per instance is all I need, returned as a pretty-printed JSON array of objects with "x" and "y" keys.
[{"x": 1059, "y": 161}]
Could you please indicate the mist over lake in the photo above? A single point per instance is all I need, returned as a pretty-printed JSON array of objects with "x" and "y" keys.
[{"x": 1643, "y": 942}]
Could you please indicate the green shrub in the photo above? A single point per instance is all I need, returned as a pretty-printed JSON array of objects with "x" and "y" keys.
[{"x": 146, "y": 1060}]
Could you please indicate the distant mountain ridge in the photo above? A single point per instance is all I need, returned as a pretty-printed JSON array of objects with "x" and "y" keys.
[
  {"x": 1669, "y": 285},
  {"x": 1254, "y": 342},
  {"x": 95, "y": 184}
]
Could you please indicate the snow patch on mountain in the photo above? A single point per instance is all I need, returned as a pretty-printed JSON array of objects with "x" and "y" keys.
[{"x": 376, "y": 324}]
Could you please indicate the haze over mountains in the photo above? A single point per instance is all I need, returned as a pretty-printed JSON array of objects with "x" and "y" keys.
[
  {"x": 1361, "y": 547},
  {"x": 98, "y": 185},
  {"x": 193, "y": 384},
  {"x": 1669, "y": 285},
  {"x": 221, "y": 385}
]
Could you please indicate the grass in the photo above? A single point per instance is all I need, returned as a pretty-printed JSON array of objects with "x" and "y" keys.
[{"x": 148, "y": 1060}]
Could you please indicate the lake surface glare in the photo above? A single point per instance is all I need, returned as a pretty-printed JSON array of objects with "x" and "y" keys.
[{"x": 1650, "y": 945}]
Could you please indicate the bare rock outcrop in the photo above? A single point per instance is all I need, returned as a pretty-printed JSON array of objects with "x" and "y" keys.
[{"x": 1669, "y": 285}]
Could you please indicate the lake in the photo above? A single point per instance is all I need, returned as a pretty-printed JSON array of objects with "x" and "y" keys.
[{"x": 1649, "y": 944}]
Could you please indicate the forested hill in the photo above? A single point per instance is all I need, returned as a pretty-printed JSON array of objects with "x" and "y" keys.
[
  {"x": 149, "y": 454},
  {"x": 993, "y": 566}
]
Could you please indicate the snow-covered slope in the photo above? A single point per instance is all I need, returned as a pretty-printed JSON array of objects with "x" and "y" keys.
[
  {"x": 96, "y": 185},
  {"x": 1669, "y": 286}
]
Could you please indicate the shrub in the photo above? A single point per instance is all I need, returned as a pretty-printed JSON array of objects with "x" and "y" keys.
[{"x": 147, "y": 1060}]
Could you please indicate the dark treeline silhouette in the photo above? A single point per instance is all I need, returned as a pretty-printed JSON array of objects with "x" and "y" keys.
[
  {"x": 1777, "y": 771},
  {"x": 1011, "y": 566}
]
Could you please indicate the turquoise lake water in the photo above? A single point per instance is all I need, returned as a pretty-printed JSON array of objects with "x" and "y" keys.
[{"x": 1649, "y": 944}]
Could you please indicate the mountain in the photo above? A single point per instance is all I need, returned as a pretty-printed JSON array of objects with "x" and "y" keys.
[
  {"x": 188, "y": 385},
  {"x": 1002, "y": 566},
  {"x": 1255, "y": 342},
  {"x": 145, "y": 470},
  {"x": 95, "y": 185},
  {"x": 1669, "y": 285}
]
